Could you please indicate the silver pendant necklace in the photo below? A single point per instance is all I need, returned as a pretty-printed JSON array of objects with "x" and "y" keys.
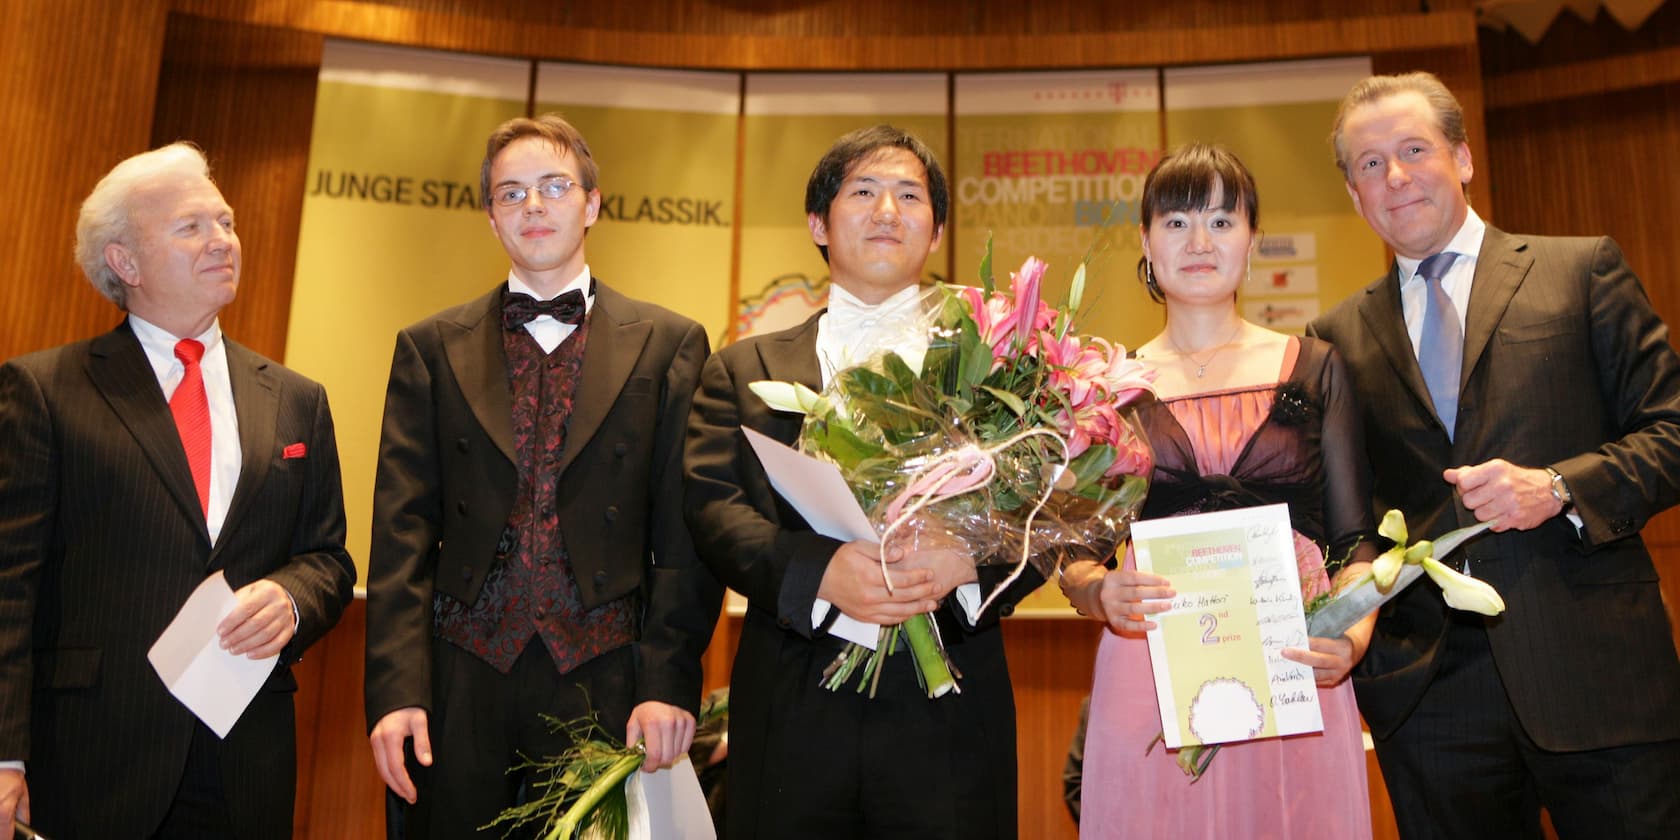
[{"x": 1201, "y": 364}]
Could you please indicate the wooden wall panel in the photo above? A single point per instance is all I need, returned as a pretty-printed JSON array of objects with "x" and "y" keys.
[
  {"x": 876, "y": 34},
  {"x": 246, "y": 94},
  {"x": 76, "y": 98},
  {"x": 339, "y": 795}
]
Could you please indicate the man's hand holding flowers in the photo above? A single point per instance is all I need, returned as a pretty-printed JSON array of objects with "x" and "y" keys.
[{"x": 853, "y": 583}]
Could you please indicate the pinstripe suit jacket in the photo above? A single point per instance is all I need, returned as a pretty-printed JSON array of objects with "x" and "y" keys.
[
  {"x": 1565, "y": 364},
  {"x": 102, "y": 540}
]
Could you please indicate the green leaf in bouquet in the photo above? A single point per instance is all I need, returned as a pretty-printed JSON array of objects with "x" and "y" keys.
[
  {"x": 839, "y": 442},
  {"x": 986, "y": 281},
  {"x": 1015, "y": 404},
  {"x": 863, "y": 387},
  {"x": 1088, "y": 471},
  {"x": 976, "y": 357},
  {"x": 1132, "y": 490},
  {"x": 894, "y": 367}
]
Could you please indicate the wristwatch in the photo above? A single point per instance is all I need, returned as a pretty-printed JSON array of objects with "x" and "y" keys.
[{"x": 1560, "y": 489}]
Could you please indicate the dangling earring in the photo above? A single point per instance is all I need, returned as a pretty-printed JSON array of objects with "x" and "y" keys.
[{"x": 1149, "y": 281}]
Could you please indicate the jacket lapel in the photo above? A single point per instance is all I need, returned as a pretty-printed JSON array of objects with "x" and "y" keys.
[
  {"x": 1385, "y": 322},
  {"x": 1500, "y": 269},
  {"x": 616, "y": 340},
  {"x": 117, "y": 367},
  {"x": 791, "y": 356},
  {"x": 474, "y": 347},
  {"x": 256, "y": 402}
]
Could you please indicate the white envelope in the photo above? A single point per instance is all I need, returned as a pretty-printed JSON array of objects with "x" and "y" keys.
[
  {"x": 212, "y": 683},
  {"x": 819, "y": 492}
]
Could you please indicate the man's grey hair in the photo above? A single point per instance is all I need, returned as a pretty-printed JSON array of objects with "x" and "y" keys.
[
  {"x": 1449, "y": 115},
  {"x": 106, "y": 218}
]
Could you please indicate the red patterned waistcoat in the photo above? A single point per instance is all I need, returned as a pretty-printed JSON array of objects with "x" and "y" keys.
[{"x": 531, "y": 591}]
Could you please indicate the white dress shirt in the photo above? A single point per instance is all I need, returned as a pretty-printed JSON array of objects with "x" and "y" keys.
[{"x": 224, "y": 421}]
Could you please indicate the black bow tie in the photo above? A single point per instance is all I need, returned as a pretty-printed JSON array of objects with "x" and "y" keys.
[{"x": 520, "y": 309}]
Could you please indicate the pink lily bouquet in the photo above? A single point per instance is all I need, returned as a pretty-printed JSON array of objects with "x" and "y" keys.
[{"x": 1013, "y": 435}]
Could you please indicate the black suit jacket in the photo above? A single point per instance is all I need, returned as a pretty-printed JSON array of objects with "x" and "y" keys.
[
  {"x": 447, "y": 479},
  {"x": 759, "y": 546},
  {"x": 101, "y": 541},
  {"x": 1565, "y": 364}
]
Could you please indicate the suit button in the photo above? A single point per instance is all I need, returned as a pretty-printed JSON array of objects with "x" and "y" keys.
[
  {"x": 461, "y": 444},
  {"x": 461, "y": 507},
  {"x": 611, "y": 513},
  {"x": 620, "y": 449},
  {"x": 548, "y": 458},
  {"x": 541, "y": 613},
  {"x": 1006, "y": 610},
  {"x": 600, "y": 578},
  {"x": 783, "y": 623}
]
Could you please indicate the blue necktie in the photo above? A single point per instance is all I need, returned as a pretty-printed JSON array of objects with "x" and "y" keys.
[{"x": 1441, "y": 349}]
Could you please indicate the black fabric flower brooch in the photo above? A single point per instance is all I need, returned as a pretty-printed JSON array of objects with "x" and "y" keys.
[{"x": 1293, "y": 406}]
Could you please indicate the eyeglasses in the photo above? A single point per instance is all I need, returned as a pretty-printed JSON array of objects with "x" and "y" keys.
[{"x": 551, "y": 189}]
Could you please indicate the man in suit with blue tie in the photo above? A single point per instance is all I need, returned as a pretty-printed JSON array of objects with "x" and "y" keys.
[
  {"x": 136, "y": 464},
  {"x": 529, "y": 555},
  {"x": 1524, "y": 381}
]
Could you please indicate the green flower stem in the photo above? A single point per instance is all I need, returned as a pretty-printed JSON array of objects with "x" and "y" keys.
[
  {"x": 615, "y": 774},
  {"x": 929, "y": 659}
]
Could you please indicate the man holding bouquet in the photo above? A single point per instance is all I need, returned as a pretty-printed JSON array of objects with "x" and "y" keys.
[{"x": 805, "y": 761}]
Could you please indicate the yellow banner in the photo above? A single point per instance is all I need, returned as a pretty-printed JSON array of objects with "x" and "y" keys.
[
  {"x": 393, "y": 227},
  {"x": 791, "y": 121},
  {"x": 1051, "y": 165},
  {"x": 665, "y": 141},
  {"x": 1315, "y": 249}
]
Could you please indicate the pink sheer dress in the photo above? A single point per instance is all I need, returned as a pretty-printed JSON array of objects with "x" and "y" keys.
[{"x": 1298, "y": 441}]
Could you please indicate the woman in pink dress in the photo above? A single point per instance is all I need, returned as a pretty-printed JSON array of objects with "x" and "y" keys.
[{"x": 1245, "y": 416}]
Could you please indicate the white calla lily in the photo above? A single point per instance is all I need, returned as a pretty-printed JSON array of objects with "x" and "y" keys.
[
  {"x": 785, "y": 396},
  {"x": 1463, "y": 592}
]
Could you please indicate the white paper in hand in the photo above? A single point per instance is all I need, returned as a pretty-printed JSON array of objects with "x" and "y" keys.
[
  {"x": 819, "y": 492},
  {"x": 668, "y": 805},
  {"x": 214, "y": 684}
]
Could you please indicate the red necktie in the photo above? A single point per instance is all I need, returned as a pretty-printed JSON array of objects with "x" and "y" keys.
[{"x": 192, "y": 417}]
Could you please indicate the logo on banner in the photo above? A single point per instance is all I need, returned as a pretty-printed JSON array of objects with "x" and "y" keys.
[{"x": 1115, "y": 92}]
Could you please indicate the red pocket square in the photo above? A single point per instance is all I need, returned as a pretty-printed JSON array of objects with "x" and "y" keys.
[{"x": 295, "y": 450}]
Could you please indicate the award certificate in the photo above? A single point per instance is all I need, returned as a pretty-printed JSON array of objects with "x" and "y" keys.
[{"x": 1219, "y": 674}]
